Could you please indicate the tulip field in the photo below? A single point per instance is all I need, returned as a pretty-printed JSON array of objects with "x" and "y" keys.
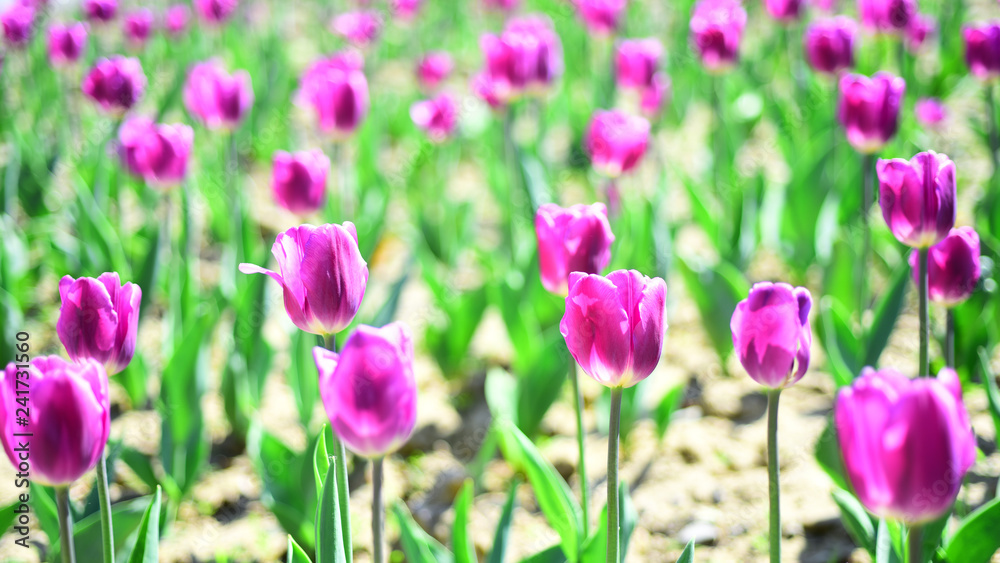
[{"x": 533, "y": 281}]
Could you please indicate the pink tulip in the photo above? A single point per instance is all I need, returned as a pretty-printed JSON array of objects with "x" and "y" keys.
[
  {"x": 501, "y": 5},
  {"x": 525, "y": 59},
  {"x": 368, "y": 389},
  {"x": 771, "y": 333},
  {"x": 358, "y": 28},
  {"x": 869, "y": 109},
  {"x": 61, "y": 434},
  {"x": 601, "y": 17},
  {"x": 982, "y": 50},
  {"x": 484, "y": 89},
  {"x": 829, "y": 44},
  {"x": 433, "y": 68},
  {"x": 216, "y": 98},
  {"x": 215, "y": 12},
  {"x": 574, "y": 239},
  {"x": 887, "y": 16},
  {"x": 921, "y": 27},
  {"x": 616, "y": 141},
  {"x": 406, "y": 10},
  {"x": 322, "y": 273},
  {"x": 138, "y": 25},
  {"x": 437, "y": 117},
  {"x": 784, "y": 10},
  {"x": 100, "y": 11},
  {"x": 918, "y": 197},
  {"x": 716, "y": 31},
  {"x": 158, "y": 154},
  {"x": 115, "y": 84},
  {"x": 614, "y": 326},
  {"x": 18, "y": 25},
  {"x": 177, "y": 19},
  {"x": 66, "y": 42},
  {"x": 930, "y": 111},
  {"x": 336, "y": 90},
  {"x": 952, "y": 267},
  {"x": 298, "y": 180},
  {"x": 906, "y": 443},
  {"x": 636, "y": 63},
  {"x": 99, "y": 319}
]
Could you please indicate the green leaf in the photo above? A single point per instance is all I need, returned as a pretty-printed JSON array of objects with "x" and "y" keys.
[
  {"x": 503, "y": 528},
  {"x": 7, "y": 517},
  {"x": 596, "y": 548},
  {"x": 976, "y": 539},
  {"x": 462, "y": 545},
  {"x": 992, "y": 393},
  {"x": 843, "y": 351},
  {"x": 321, "y": 459},
  {"x": 857, "y": 521},
  {"x": 418, "y": 546},
  {"x": 557, "y": 503},
  {"x": 828, "y": 455},
  {"x": 687, "y": 556},
  {"x": 285, "y": 476},
  {"x": 388, "y": 310},
  {"x": 887, "y": 542},
  {"x": 329, "y": 534},
  {"x": 127, "y": 517},
  {"x": 501, "y": 395},
  {"x": 303, "y": 378},
  {"x": 889, "y": 307},
  {"x": 147, "y": 543},
  {"x": 715, "y": 290},
  {"x": 295, "y": 553},
  {"x": 665, "y": 409},
  {"x": 553, "y": 554}
]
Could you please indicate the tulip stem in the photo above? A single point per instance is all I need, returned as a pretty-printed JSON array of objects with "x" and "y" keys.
[
  {"x": 232, "y": 177},
  {"x": 65, "y": 525},
  {"x": 774, "y": 490},
  {"x": 916, "y": 541},
  {"x": 925, "y": 333},
  {"x": 343, "y": 489},
  {"x": 107, "y": 538},
  {"x": 994, "y": 135},
  {"x": 868, "y": 166},
  {"x": 581, "y": 466},
  {"x": 949, "y": 338},
  {"x": 613, "y": 427},
  {"x": 378, "y": 511}
]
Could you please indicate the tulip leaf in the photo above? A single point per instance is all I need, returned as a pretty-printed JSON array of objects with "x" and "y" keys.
[
  {"x": 147, "y": 542},
  {"x": 888, "y": 540},
  {"x": 828, "y": 456},
  {"x": 502, "y": 533},
  {"x": 839, "y": 342},
  {"x": 687, "y": 556},
  {"x": 858, "y": 523},
  {"x": 553, "y": 554},
  {"x": 7, "y": 517},
  {"x": 889, "y": 307},
  {"x": 295, "y": 553},
  {"x": 418, "y": 545},
  {"x": 329, "y": 534},
  {"x": 303, "y": 378},
  {"x": 321, "y": 459},
  {"x": 715, "y": 290},
  {"x": 992, "y": 393},
  {"x": 43, "y": 506},
  {"x": 127, "y": 517},
  {"x": 976, "y": 539},
  {"x": 501, "y": 394},
  {"x": 667, "y": 406},
  {"x": 462, "y": 544},
  {"x": 285, "y": 475},
  {"x": 554, "y": 498},
  {"x": 596, "y": 548}
]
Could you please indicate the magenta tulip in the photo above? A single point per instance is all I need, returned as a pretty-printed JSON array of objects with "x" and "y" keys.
[
  {"x": 656, "y": 96},
  {"x": 829, "y": 44},
  {"x": 66, "y": 42},
  {"x": 602, "y": 17},
  {"x": 771, "y": 333},
  {"x": 215, "y": 12},
  {"x": 216, "y": 98},
  {"x": 616, "y": 141},
  {"x": 100, "y": 11},
  {"x": 368, "y": 389},
  {"x": 574, "y": 239},
  {"x": 298, "y": 180},
  {"x": 887, "y": 16},
  {"x": 336, "y": 90},
  {"x": 436, "y": 117},
  {"x": 525, "y": 59},
  {"x": 918, "y": 197},
  {"x": 157, "y": 153},
  {"x": 906, "y": 443},
  {"x": 614, "y": 326},
  {"x": 952, "y": 267},
  {"x": 982, "y": 50},
  {"x": 636, "y": 63},
  {"x": 501, "y": 5},
  {"x": 99, "y": 319},
  {"x": 322, "y": 273},
  {"x": 784, "y": 10},
  {"x": 138, "y": 25},
  {"x": 716, "y": 31},
  {"x": 433, "y": 68},
  {"x": 869, "y": 109},
  {"x": 115, "y": 84},
  {"x": 62, "y": 432},
  {"x": 177, "y": 19},
  {"x": 930, "y": 111},
  {"x": 359, "y": 28},
  {"x": 18, "y": 24},
  {"x": 405, "y": 10},
  {"x": 920, "y": 29}
]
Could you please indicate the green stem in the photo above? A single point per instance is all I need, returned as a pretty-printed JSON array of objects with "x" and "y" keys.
[
  {"x": 718, "y": 147},
  {"x": 916, "y": 541},
  {"x": 343, "y": 490},
  {"x": 868, "y": 169},
  {"x": 107, "y": 538},
  {"x": 994, "y": 135},
  {"x": 581, "y": 467},
  {"x": 925, "y": 325},
  {"x": 378, "y": 511},
  {"x": 949, "y": 338},
  {"x": 65, "y": 525},
  {"x": 774, "y": 490},
  {"x": 613, "y": 428}
]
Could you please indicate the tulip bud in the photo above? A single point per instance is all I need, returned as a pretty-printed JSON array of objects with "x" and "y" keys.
[
  {"x": 437, "y": 117},
  {"x": 337, "y": 91},
  {"x": 918, "y": 197},
  {"x": 616, "y": 141},
  {"x": 887, "y": 16},
  {"x": 575, "y": 239},
  {"x": 601, "y": 16},
  {"x": 322, "y": 273},
  {"x": 138, "y": 24},
  {"x": 215, "y": 12},
  {"x": 115, "y": 84},
  {"x": 982, "y": 50},
  {"x": 771, "y": 333},
  {"x": 930, "y": 112},
  {"x": 100, "y": 11},
  {"x": 358, "y": 28},
  {"x": 784, "y": 10},
  {"x": 614, "y": 326},
  {"x": 219, "y": 100},
  {"x": 66, "y": 42},
  {"x": 177, "y": 19},
  {"x": 952, "y": 267},
  {"x": 716, "y": 31},
  {"x": 434, "y": 68},
  {"x": 829, "y": 44},
  {"x": 158, "y": 154},
  {"x": 525, "y": 59},
  {"x": 65, "y": 428},
  {"x": 18, "y": 25},
  {"x": 869, "y": 109},
  {"x": 99, "y": 319},
  {"x": 907, "y": 443},
  {"x": 299, "y": 180},
  {"x": 368, "y": 389}
]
